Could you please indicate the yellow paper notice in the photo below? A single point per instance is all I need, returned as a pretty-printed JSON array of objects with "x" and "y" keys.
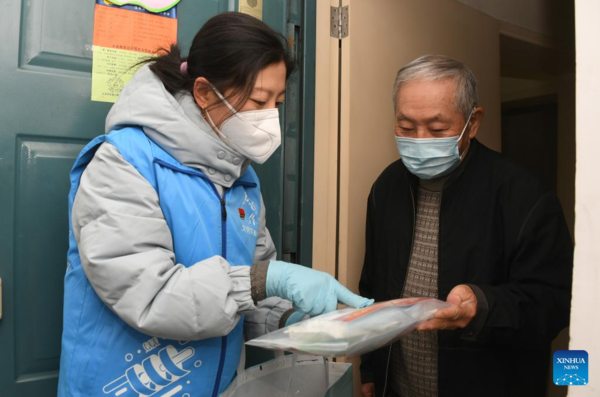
[
  {"x": 251, "y": 7},
  {"x": 122, "y": 38},
  {"x": 111, "y": 70}
]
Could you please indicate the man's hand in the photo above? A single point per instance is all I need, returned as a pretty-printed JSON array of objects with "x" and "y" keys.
[
  {"x": 368, "y": 390},
  {"x": 464, "y": 307}
]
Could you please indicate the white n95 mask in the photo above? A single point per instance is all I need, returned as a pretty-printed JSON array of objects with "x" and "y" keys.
[{"x": 254, "y": 134}]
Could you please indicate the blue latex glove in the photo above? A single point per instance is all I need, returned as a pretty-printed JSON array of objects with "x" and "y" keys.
[
  {"x": 294, "y": 318},
  {"x": 310, "y": 291}
]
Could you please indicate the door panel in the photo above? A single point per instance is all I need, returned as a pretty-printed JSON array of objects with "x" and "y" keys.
[
  {"x": 293, "y": 126},
  {"x": 42, "y": 178},
  {"x": 46, "y": 117},
  {"x": 48, "y": 44}
]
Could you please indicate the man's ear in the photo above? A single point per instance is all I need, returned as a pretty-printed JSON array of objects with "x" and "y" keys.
[
  {"x": 476, "y": 122},
  {"x": 203, "y": 93}
]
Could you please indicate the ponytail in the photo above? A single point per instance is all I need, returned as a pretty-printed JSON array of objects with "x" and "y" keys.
[{"x": 167, "y": 67}]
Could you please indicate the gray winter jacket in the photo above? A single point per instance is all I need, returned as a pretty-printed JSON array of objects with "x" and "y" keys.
[{"x": 131, "y": 270}]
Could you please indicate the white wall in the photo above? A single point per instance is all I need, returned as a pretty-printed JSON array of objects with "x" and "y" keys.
[{"x": 585, "y": 309}]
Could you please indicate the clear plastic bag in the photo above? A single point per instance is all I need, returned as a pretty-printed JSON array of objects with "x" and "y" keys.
[{"x": 351, "y": 332}]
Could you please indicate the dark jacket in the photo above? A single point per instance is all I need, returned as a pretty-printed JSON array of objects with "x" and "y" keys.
[{"x": 502, "y": 231}]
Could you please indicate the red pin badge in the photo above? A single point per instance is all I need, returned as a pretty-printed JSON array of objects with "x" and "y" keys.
[{"x": 242, "y": 213}]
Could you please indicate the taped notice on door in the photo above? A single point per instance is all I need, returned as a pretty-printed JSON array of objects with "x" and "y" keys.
[
  {"x": 124, "y": 36},
  {"x": 251, "y": 7}
]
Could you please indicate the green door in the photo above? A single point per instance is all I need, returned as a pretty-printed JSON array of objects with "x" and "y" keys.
[{"x": 46, "y": 117}]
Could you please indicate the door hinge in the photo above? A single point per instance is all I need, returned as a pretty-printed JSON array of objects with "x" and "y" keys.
[{"x": 339, "y": 22}]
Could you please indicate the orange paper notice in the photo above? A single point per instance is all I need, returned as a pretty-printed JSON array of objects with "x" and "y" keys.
[
  {"x": 133, "y": 31},
  {"x": 122, "y": 38}
]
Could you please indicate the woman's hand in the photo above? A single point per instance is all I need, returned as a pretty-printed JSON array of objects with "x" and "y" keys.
[{"x": 310, "y": 291}]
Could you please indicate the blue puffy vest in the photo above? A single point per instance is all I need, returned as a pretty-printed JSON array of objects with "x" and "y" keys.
[{"x": 101, "y": 354}]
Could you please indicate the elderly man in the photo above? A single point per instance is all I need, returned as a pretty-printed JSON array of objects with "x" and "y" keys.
[{"x": 455, "y": 220}]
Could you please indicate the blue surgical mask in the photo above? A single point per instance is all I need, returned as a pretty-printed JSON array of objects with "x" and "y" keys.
[{"x": 429, "y": 158}]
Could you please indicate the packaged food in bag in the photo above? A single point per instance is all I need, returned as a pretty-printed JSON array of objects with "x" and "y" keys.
[{"x": 351, "y": 332}]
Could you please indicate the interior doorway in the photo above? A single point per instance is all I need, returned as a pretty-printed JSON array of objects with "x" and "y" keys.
[
  {"x": 538, "y": 120},
  {"x": 530, "y": 135}
]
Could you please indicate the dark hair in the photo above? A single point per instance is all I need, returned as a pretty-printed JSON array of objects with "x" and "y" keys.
[{"x": 229, "y": 51}]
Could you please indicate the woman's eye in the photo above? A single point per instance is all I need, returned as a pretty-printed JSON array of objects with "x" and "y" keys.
[{"x": 260, "y": 103}]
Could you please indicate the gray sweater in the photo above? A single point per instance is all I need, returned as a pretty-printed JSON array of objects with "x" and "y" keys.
[{"x": 414, "y": 358}]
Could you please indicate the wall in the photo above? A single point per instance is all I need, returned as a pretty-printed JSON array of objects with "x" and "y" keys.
[{"x": 585, "y": 322}]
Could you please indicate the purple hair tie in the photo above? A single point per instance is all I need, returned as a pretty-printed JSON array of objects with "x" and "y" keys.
[{"x": 183, "y": 67}]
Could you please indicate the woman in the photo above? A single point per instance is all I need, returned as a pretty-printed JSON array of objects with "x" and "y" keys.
[{"x": 168, "y": 247}]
